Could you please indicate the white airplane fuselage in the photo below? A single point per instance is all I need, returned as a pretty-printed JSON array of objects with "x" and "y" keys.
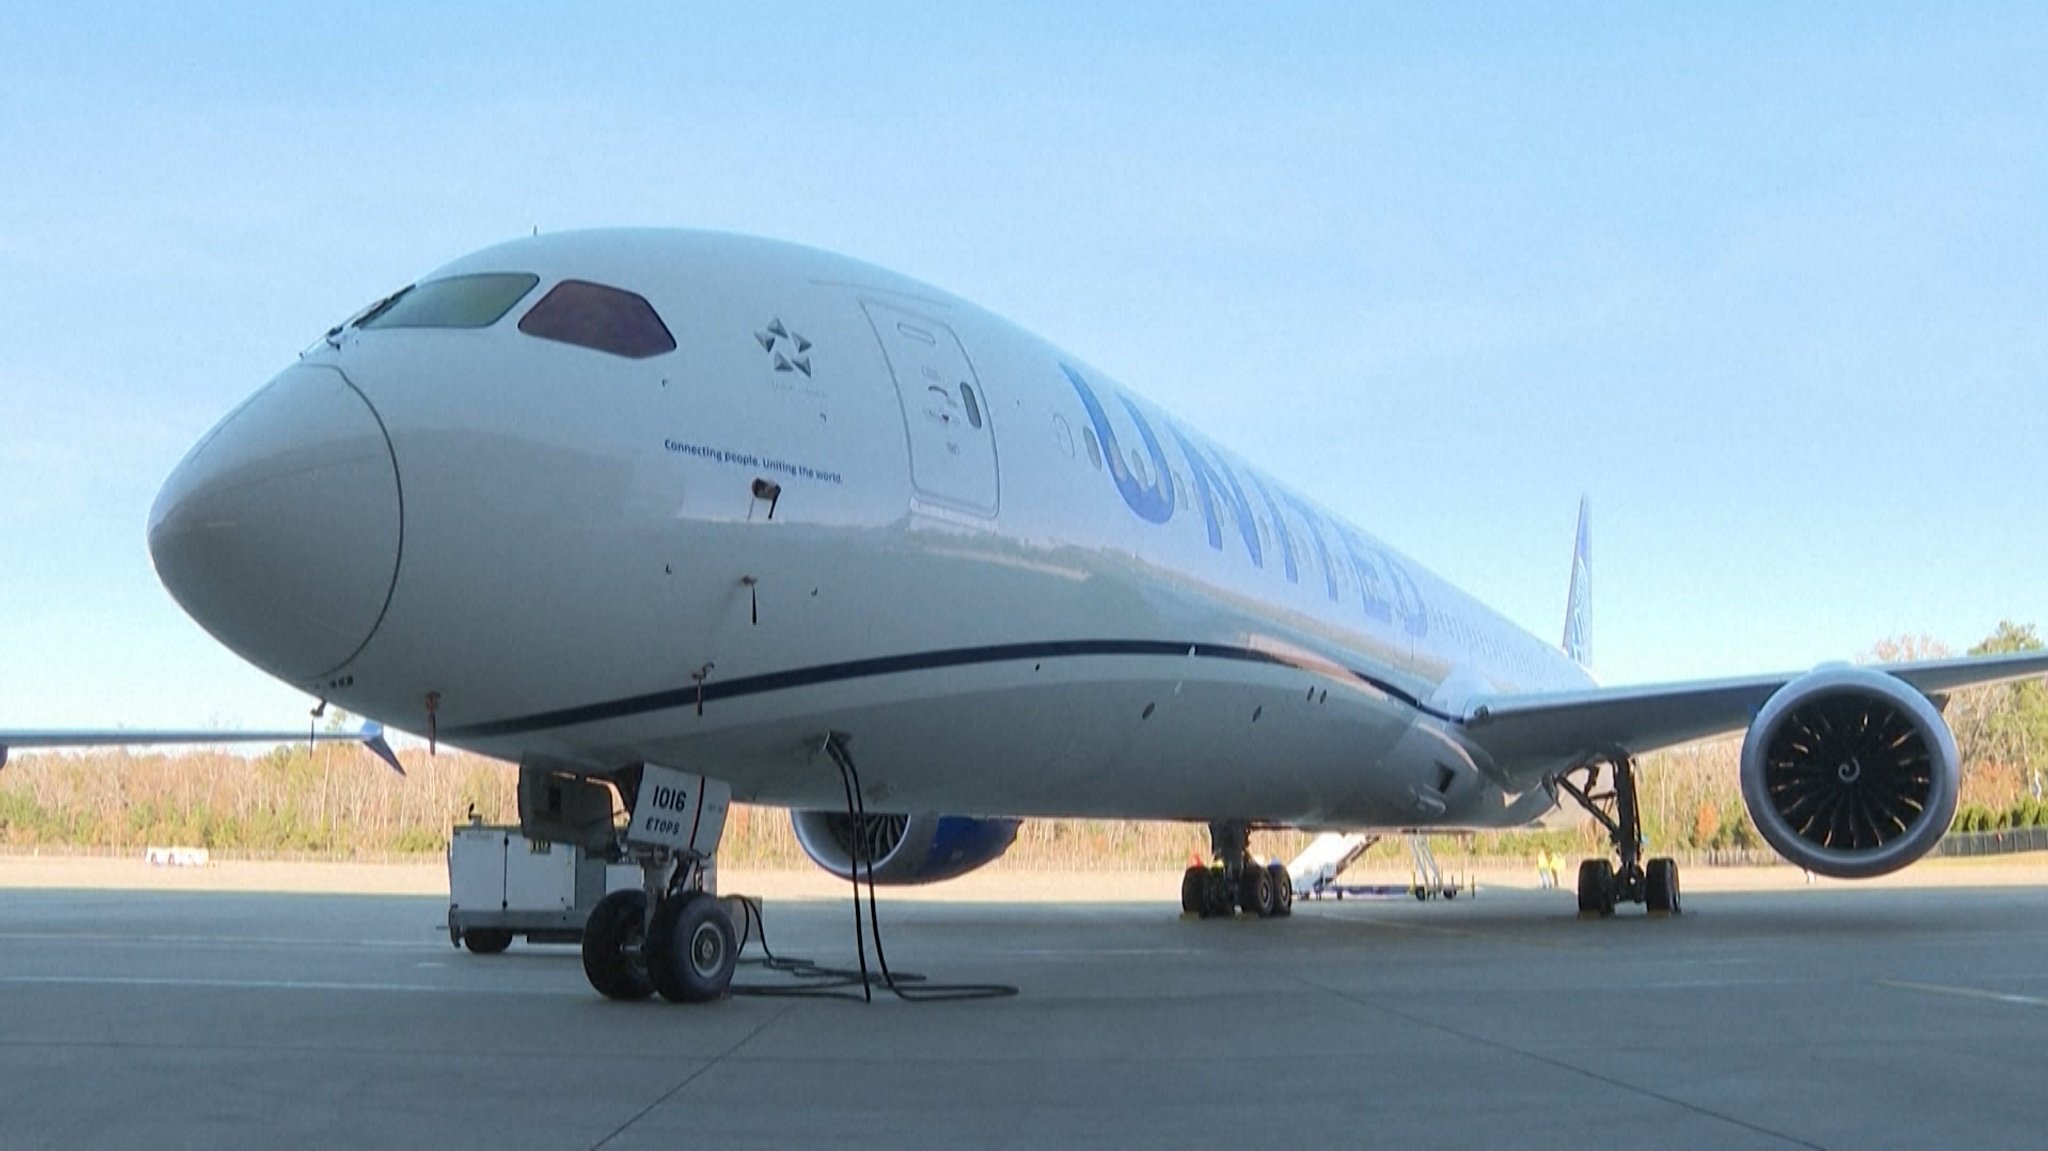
[{"x": 844, "y": 501}]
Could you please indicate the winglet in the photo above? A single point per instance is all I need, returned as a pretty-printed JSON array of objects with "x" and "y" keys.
[
  {"x": 1578, "y": 616},
  {"x": 372, "y": 737}
]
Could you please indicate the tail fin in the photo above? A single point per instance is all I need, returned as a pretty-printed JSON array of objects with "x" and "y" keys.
[{"x": 1578, "y": 615}]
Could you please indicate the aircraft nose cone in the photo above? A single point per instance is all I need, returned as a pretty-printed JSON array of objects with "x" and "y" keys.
[{"x": 279, "y": 533}]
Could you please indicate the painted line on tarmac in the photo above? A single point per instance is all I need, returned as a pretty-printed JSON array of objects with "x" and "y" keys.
[
  {"x": 1094, "y": 952},
  {"x": 299, "y": 942},
  {"x": 1517, "y": 938},
  {"x": 259, "y": 985},
  {"x": 1966, "y": 992}
]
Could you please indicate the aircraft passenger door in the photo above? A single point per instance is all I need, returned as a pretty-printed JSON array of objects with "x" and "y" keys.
[{"x": 947, "y": 416}]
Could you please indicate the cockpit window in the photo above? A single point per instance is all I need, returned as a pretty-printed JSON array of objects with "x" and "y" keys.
[
  {"x": 456, "y": 302},
  {"x": 594, "y": 316}
]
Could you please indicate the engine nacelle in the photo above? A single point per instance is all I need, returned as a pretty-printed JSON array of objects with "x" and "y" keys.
[
  {"x": 1850, "y": 773},
  {"x": 906, "y": 849}
]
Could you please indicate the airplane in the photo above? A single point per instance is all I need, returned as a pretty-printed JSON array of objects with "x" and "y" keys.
[{"x": 674, "y": 518}]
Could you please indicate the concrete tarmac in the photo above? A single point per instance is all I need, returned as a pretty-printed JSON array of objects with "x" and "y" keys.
[{"x": 1830, "y": 1016}]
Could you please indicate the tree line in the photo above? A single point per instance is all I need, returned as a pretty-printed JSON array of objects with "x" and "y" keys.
[{"x": 332, "y": 801}]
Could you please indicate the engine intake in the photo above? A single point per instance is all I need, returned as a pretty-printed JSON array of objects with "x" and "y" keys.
[
  {"x": 906, "y": 849},
  {"x": 1850, "y": 773}
]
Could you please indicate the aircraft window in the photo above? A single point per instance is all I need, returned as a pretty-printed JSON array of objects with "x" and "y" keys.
[
  {"x": 1094, "y": 449},
  {"x": 973, "y": 406},
  {"x": 456, "y": 302},
  {"x": 604, "y": 319}
]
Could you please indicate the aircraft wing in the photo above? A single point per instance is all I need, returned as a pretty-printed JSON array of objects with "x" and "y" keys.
[
  {"x": 1532, "y": 736},
  {"x": 370, "y": 735}
]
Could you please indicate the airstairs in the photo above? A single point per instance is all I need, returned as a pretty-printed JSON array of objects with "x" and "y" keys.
[
  {"x": 1314, "y": 872},
  {"x": 1324, "y": 859},
  {"x": 1428, "y": 876}
]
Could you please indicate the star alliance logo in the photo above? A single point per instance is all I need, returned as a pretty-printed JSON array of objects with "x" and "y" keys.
[{"x": 791, "y": 351}]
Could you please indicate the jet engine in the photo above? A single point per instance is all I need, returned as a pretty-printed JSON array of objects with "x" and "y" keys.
[
  {"x": 905, "y": 849},
  {"x": 1850, "y": 773}
]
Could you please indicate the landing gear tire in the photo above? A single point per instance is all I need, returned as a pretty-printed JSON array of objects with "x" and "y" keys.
[
  {"x": 1257, "y": 893},
  {"x": 1283, "y": 884},
  {"x": 1194, "y": 887},
  {"x": 486, "y": 940},
  {"x": 691, "y": 949},
  {"x": 1660, "y": 886},
  {"x": 1216, "y": 894},
  {"x": 612, "y": 938},
  {"x": 1596, "y": 887}
]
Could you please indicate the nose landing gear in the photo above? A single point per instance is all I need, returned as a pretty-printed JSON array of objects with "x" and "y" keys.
[
  {"x": 672, "y": 935},
  {"x": 685, "y": 948}
]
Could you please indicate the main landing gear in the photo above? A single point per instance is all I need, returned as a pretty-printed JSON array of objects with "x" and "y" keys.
[
  {"x": 672, "y": 935},
  {"x": 1236, "y": 881},
  {"x": 1602, "y": 883}
]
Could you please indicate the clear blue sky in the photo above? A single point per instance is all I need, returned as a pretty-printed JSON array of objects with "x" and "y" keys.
[{"x": 1769, "y": 281}]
